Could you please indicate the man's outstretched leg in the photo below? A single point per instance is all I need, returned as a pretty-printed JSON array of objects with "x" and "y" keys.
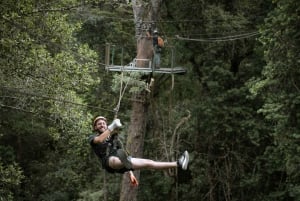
[{"x": 139, "y": 163}]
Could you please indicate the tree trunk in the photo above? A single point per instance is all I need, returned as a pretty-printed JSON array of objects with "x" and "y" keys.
[
  {"x": 136, "y": 130},
  {"x": 135, "y": 145}
]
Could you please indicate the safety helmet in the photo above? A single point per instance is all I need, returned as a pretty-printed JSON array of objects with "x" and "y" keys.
[
  {"x": 155, "y": 31},
  {"x": 97, "y": 118}
]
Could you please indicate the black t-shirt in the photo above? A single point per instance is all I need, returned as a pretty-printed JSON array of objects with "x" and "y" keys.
[{"x": 100, "y": 149}]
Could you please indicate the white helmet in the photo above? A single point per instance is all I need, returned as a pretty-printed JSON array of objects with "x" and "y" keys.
[{"x": 97, "y": 118}]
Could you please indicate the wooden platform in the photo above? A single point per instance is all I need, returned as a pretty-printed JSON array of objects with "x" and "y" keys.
[{"x": 175, "y": 70}]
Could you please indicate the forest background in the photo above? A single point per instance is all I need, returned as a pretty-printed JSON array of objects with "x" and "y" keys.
[{"x": 236, "y": 109}]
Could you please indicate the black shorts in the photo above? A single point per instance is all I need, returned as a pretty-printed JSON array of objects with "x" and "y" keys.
[{"x": 105, "y": 165}]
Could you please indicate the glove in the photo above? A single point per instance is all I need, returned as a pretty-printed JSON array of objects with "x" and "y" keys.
[{"x": 115, "y": 124}]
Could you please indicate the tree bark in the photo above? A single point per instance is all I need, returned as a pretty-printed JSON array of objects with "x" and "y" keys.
[
  {"x": 135, "y": 145},
  {"x": 136, "y": 130}
]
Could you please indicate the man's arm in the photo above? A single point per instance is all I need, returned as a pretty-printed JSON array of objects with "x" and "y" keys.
[
  {"x": 101, "y": 138},
  {"x": 133, "y": 180}
]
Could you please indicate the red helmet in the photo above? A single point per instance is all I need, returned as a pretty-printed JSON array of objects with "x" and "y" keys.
[{"x": 97, "y": 118}]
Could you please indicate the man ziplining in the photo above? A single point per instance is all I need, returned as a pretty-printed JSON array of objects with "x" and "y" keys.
[{"x": 115, "y": 160}]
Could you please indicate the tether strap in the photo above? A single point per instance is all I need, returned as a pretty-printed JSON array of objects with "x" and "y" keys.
[{"x": 116, "y": 142}]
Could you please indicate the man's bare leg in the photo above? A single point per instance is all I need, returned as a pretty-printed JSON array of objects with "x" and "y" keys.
[
  {"x": 140, "y": 163},
  {"x": 115, "y": 163}
]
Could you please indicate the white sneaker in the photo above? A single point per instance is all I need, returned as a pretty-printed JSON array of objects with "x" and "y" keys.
[{"x": 183, "y": 161}]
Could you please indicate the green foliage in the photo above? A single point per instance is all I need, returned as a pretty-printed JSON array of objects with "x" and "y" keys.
[
  {"x": 152, "y": 182},
  {"x": 278, "y": 87},
  {"x": 44, "y": 74},
  {"x": 236, "y": 109},
  {"x": 90, "y": 195},
  {"x": 11, "y": 174},
  {"x": 130, "y": 82}
]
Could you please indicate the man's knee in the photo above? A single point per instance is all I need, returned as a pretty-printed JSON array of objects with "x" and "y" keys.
[{"x": 114, "y": 162}]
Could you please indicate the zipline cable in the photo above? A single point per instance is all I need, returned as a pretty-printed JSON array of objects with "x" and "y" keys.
[
  {"x": 50, "y": 98},
  {"x": 220, "y": 39}
]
